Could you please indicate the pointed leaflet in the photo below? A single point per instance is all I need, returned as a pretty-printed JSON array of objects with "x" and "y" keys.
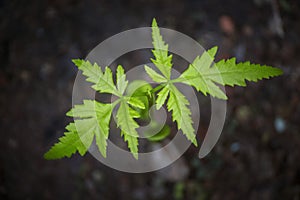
[
  {"x": 194, "y": 75},
  {"x": 121, "y": 79},
  {"x": 67, "y": 145},
  {"x": 132, "y": 142},
  {"x": 236, "y": 73},
  {"x": 203, "y": 77},
  {"x": 136, "y": 102},
  {"x": 103, "y": 82},
  {"x": 94, "y": 122},
  {"x": 154, "y": 75},
  {"x": 161, "y": 97},
  {"x": 178, "y": 104},
  {"x": 128, "y": 127},
  {"x": 162, "y": 60},
  {"x": 133, "y": 113}
]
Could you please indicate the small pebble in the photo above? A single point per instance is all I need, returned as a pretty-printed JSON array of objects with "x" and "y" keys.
[
  {"x": 227, "y": 24},
  {"x": 97, "y": 176},
  {"x": 279, "y": 124},
  {"x": 235, "y": 147},
  {"x": 243, "y": 113}
]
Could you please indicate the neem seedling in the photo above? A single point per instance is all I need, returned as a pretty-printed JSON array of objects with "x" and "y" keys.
[{"x": 93, "y": 117}]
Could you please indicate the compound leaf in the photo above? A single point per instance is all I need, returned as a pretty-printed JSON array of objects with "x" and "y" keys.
[
  {"x": 162, "y": 60},
  {"x": 94, "y": 122},
  {"x": 103, "y": 82},
  {"x": 233, "y": 73},
  {"x": 194, "y": 75},
  {"x": 67, "y": 145},
  {"x": 203, "y": 74},
  {"x": 95, "y": 118},
  {"x": 178, "y": 104},
  {"x": 128, "y": 127}
]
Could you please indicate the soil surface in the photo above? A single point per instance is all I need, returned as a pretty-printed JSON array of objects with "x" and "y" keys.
[{"x": 257, "y": 156}]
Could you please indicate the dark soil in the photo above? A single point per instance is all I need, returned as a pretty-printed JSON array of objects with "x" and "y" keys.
[{"x": 257, "y": 156}]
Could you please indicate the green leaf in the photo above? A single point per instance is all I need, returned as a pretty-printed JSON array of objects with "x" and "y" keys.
[
  {"x": 128, "y": 127},
  {"x": 103, "y": 82},
  {"x": 203, "y": 74},
  {"x": 136, "y": 102},
  {"x": 162, "y": 134},
  {"x": 87, "y": 129},
  {"x": 94, "y": 122},
  {"x": 178, "y": 104},
  {"x": 132, "y": 142},
  {"x": 121, "y": 79},
  {"x": 133, "y": 113},
  {"x": 194, "y": 75},
  {"x": 162, "y": 60},
  {"x": 67, "y": 145},
  {"x": 233, "y": 73},
  {"x": 140, "y": 89},
  {"x": 89, "y": 109},
  {"x": 161, "y": 97},
  {"x": 93, "y": 118},
  {"x": 154, "y": 75}
]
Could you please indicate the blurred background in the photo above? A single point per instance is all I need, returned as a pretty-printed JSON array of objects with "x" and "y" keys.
[{"x": 257, "y": 155}]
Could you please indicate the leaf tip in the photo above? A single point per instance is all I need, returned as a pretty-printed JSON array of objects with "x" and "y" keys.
[
  {"x": 120, "y": 67},
  {"x": 46, "y": 156},
  {"x": 212, "y": 51},
  {"x": 70, "y": 113},
  {"x": 154, "y": 23},
  {"x": 77, "y": 62},
  {"x": 195, "y": 142},
  {"x": 279, "y": 72},
  {"x": 49, "y": 155}
]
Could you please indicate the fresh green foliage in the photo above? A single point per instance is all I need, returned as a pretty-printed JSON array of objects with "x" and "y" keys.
[
  {"x": 162, "y": 60},
  {"x": 95, "y": 116},
  {"x": 92, "y": 118},
  {"x": 203, "y": 75},
  {"x": 128, "y": 125},
  {"x": 68, "y": 145}
]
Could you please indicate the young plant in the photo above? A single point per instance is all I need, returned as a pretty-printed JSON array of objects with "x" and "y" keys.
[{"x": 93, "y": 118}]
